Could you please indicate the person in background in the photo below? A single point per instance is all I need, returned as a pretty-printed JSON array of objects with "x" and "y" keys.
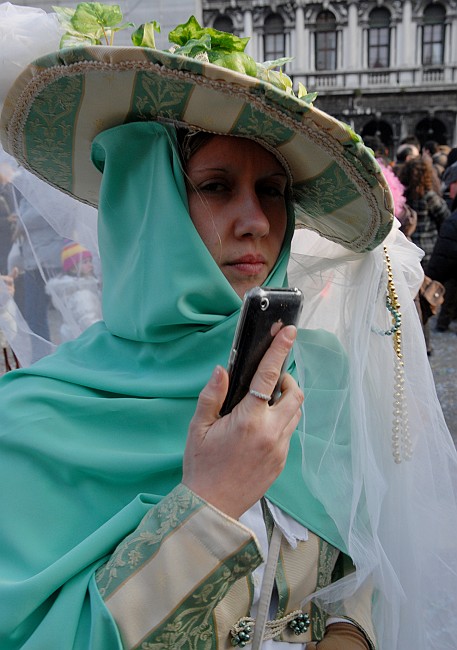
[
  {"x": 76, "y": 292},
  {"x": 449, "y": 178},
  {"x": 7, "y": 215},
  {"x": 7, "y": 288},
  {"x": 36, "y": 253},
  {"x": 431, "y": 210},
  {"x": 411, "y": 140},
  {"x": 429, "y": 148},
  {"x": 439, "y": 161},
  {"x": 403, "y": 212},
  {"x": 404, "y": 153},
  {"x": 443, "y": 267},
  {"x": 8, "y": 326}
]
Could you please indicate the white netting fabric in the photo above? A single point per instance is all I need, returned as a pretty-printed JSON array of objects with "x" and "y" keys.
[
  {"x": 403, "y": 517},
  {"x": 36, "y": 223}
]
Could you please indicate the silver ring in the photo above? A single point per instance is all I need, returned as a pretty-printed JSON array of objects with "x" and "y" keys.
[{"x": 263, "y": 396}]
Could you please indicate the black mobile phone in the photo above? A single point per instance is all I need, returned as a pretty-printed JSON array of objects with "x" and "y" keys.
[{"x": 264, "y": 312}]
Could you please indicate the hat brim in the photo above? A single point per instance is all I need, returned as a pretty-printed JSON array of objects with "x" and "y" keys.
[{"x": 63, "y": 100}]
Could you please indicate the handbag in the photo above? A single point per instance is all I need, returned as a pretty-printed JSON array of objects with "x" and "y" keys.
[{"x": 433, "y": 292}]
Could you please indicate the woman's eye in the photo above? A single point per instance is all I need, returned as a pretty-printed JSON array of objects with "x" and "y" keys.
[
  {"x": 213, "y": 187},
  {"x": 272, "y": 191}
]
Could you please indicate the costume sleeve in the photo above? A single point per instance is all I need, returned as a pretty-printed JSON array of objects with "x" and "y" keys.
[
  {"x": 354, "y": 626},
  {"x": 154, "y": 591}
]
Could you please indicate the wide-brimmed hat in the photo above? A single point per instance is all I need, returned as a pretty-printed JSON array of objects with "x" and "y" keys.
[{"x": 61, "y": 101}]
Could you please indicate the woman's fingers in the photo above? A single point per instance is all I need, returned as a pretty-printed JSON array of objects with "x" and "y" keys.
[
  {"x": 232, "y": 461},
  {"x": 267, "y": 374}
]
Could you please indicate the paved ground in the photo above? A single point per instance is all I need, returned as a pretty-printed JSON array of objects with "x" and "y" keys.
[{"x": 444, "y": 366}]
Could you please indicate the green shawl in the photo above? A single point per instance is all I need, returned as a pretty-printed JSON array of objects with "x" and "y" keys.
[{"x": 94, "y": 434}]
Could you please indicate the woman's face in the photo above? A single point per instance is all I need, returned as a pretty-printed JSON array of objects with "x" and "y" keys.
[{"x": 236, "y": 193}]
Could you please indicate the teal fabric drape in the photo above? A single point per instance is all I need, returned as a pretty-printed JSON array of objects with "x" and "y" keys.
[{"x": 94, "y": 434}]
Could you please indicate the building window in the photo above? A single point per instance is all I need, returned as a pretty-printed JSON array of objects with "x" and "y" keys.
[
  {"x": 379, "y": 38},
  {"x": 274, "y": 38},
  {"x": 325, "y": 41},
  {"x": 224, "y": 24},
  {"x": 433, "y": 35}
]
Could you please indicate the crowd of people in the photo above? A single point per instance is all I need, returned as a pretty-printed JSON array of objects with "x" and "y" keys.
[
  {"x": 423, "y": 180},
  {"x": 134, "y": 515}
]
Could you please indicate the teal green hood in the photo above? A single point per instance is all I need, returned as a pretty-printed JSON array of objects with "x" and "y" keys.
[
  {"x": 95, "y": 434},
  {"x": 159, "y": 281}
]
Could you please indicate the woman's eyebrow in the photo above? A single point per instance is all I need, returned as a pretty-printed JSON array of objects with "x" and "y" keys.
[{"x": 206, "y": 168}]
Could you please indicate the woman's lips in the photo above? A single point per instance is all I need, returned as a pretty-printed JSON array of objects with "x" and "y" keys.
[{"x": 249, "y": 264}]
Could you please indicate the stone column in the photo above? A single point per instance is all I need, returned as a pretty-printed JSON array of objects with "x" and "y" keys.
[
  {"x": 453, "y": 39},
  {"x": 351, "y": 49},
  {"x": 248, "y": 31},
  {"x": 300, "y": 62},
  {"x": 405, "y": 46}
]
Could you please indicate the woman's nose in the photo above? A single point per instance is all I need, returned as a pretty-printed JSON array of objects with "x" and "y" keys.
[{"x": 251, "y": 220}]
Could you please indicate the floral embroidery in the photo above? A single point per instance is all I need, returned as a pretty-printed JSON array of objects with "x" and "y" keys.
[
  {"x": 328, "y": 555},
  {"x": 191, "y": 627},
  {"x": 143, "y": 542}
]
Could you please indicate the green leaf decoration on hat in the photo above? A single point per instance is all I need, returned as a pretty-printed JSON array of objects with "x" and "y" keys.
[
  {"x": 89, "y": 23},
  {"x": 95, "y": 23},
  {"x": 212, "y": 45},
  {"x": 222, "y": 41},
  {"x": 144, "y": 35}
]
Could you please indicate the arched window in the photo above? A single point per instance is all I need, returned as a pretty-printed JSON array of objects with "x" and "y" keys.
[
  {"x": 381, "y": 129},
  {"x": 379, "y": 38},
  {"x": 431, "y": 128},
  {"x": 433, "y": 35},
  {"x": 274, "y": 38},
  {"x": 224, "y": 23},
  {"x": 325, "y": 42}
]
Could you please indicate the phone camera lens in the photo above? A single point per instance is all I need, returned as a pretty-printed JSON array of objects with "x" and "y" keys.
[{"x": 264, "y": 304}]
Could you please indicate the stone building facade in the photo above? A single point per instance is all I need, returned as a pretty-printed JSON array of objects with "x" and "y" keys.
[{"x": 386, "y": 67}]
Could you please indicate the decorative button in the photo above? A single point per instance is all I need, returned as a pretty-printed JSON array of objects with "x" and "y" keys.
[
  {"x": 242, "y": 635},
  {"x": 300, "y": 624}
]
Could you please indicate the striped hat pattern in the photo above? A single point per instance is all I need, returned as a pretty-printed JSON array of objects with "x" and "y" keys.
[
  {"x": 63, "y": 100},
  {"x": 72, "y": 254}
]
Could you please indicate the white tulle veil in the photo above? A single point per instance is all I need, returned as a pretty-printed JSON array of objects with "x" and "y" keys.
[{"x": 401, "y": 533}]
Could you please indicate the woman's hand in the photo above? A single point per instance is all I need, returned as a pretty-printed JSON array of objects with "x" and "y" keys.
[
  {"x": 9, "y": 280},
  {"x": 341, "y": 636},
  {"x": 232, "y": 461}
]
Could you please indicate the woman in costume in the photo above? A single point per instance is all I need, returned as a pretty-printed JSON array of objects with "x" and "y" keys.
[{"x": 134, "y": 517}]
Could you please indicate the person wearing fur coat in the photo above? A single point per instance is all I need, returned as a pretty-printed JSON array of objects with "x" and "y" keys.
[{"x": 76, "y": 293}]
